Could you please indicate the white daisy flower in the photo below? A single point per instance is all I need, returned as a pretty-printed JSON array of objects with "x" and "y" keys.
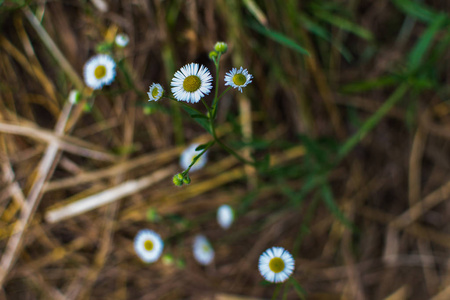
[
  {"x": 225, "y": 216},
  {"x": 238, "y": 78},
  {"x": 191, "y": 83},
  {"x": 203, "y": 251},
  {"x": 122, "y": 40},
  {"x": 98, "y": 71},
  {"x": 276, "y": 264},
  {"x": 188, "y": 155},
  {"x": 155, "y": 93},
  {"x": 148, "y": 245}
]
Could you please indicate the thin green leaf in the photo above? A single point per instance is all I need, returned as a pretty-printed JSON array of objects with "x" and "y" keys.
[
  {"x": 193, "y": 113},
  {"x": 344, "y": 24},
  {"x": 204, "y": 146},
  {"x": 368, "y": 85},
  {"x": 321, "y": 32},
  {"x": 311, "y": 182},
  {"x": 199, "y": 116},
  {"x": 416, "y": 56},
  {"x": 416, "y": 9},
  {"x": 332, "y": 206},
  {"x": 278, "y": 37},
  {"x": 263, "y": 164},
  {"x": 298, "y": 288},
  {"x": 254, "y": 9}
]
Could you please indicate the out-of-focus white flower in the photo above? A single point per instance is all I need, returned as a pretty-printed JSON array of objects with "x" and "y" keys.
[
  {"x": 122, "y": 40},
  {"x": 276, "y": 264},
  {"x": 99, "y": 70},
  {"x": 225, "y": 216},
  {"x": 203, "y": 251},
  {"x": 188, "y": 155},
  {"x": 148, "y": 245}
]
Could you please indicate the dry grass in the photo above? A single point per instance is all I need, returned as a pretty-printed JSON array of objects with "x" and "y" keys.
[{"x": 76, "y": 186}]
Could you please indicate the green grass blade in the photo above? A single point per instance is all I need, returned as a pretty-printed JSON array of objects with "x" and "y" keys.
[
  {"x": 367, "y": 85},
  {"x": 301, "y": 293},
  {"x": 321, "y": 32},
  {"x": 328, "y": 198},
  {"x": 344, "y": 24},
  {"x": 278, "y": 37},
  {"x": 415, "y": 9},
  {"x": 416, "y": 56},
  {"x": 254, "y": 9}
]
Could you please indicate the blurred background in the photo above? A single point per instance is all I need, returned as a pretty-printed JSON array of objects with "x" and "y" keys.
[{"x": 348, "y": 116}]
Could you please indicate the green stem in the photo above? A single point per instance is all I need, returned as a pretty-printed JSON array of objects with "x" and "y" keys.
[
  {"x": 224, "y": 92},
  {"x": 277, "y": 291},
  {"x": 225, "y": 147},
  {"x": 216, "y": 91},
  {"x": 206, "y": 105},
  {"x": 194, "y": 160}
]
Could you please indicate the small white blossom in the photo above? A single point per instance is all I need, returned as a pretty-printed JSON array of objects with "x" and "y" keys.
[
  {"x": 276, "y": 264},
  {"x": 191, "y": 83},
  {"x": 98, "y": 71},
  {"x": 203, "y": 251},
  {"x": 238, "y": 78},
  {"x": 148, "y": 245}
]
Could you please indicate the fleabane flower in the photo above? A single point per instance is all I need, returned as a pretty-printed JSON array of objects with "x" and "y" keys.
[
  {"x": 276, "y": 264},
  {"x": 238, "y": 78},
  {"x": 148, "y": 245},
  {"x": 188, "y": 155},
  {"x": 99, "y": 70},
  {"x": 191, "y": 83},
  {"x": 225, "y": 216},
  {"x": 122, "y": 40},
  {"x": 155, "y": 93},
  {"x": 203, "y": 251}
]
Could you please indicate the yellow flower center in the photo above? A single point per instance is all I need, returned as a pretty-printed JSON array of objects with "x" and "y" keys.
[
  {"x": 206, "y": 248},
  {"x": 148, "y": 245},
  {"x": 191, "y": 83},
  {"x": 239, "y": 79},
  {"x": 155, "y": 92},
  {"x": 100, "y": 72},
  {"x": 276, "y": 265}
]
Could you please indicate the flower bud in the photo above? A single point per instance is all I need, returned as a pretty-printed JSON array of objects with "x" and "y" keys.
[
  {"x": 221, "y": 47},
  {"x": 212, "y": 55},
  {"x": 178, "y": 179},
  {"x": 186, "y": 179}
]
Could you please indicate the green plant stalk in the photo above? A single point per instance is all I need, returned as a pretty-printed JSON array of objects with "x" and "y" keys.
[
  {"x": 225, "y": 147},
  {"x": 216, "y": 99},
  {"x": 194, "y": 160},
  {"x": 372, "y": 122},
  {"x": 277, "y": 291},
  {"x": 212, "y": 115}
]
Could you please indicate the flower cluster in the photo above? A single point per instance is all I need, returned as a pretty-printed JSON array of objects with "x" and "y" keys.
[
  {"x": 194, "y": 81},
  {"x": 191, "y": 84}
]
